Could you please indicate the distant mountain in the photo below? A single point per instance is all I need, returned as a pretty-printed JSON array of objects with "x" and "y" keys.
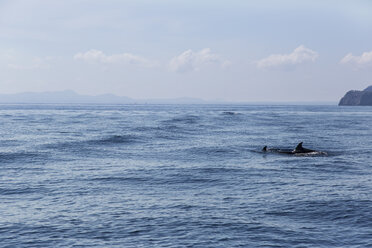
[
  {"x": 357, "y": 98},
  {"x": 69, "y": 96}
]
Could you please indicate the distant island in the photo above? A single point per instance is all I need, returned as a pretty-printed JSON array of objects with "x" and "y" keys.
[
  {"x": 71, "y": 97},
  {"x": 357, "y": 98}
]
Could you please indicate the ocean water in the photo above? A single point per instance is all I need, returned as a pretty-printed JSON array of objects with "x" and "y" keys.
[{"x": 184, "y": 176}]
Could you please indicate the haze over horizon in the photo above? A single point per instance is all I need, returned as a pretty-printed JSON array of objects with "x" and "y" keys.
[{"x": 243, "y": 51}]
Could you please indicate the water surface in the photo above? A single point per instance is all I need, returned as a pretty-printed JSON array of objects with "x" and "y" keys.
[{"x": 184, "y": 176}]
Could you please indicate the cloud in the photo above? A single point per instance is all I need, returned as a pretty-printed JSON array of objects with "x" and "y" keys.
[
  {"x": 359, "y": 61},
  {"x": 194, "y": 61},
  {"x": 299, "y": 56},
  {"x": 127, "y": 58}
]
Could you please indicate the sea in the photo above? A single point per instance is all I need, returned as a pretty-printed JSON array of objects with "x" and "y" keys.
[{"x": 184, "y": 176}]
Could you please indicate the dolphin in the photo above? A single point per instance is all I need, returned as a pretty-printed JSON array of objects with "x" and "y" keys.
[
  {"x": 298, "y": 150},
  {"x": 277, "y": 150}
]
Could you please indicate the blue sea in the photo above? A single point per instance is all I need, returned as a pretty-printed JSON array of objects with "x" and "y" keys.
[{"x": 184, "y": 176}]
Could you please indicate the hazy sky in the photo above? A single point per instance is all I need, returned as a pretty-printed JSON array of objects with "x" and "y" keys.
[{"x": 233, "y": 50}]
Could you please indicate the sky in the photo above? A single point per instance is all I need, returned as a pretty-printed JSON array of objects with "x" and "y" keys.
[{"x": 242, "y": 51}]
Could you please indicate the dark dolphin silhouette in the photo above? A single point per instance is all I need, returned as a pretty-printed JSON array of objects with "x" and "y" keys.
[{"x": 298, "y": 150}]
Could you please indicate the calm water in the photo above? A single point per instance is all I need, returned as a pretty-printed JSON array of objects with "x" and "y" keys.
[{"x": 184, "y": 176}]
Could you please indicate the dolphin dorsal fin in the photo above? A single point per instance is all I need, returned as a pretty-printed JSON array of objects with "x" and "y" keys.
[
  {"x": 299, "y": 146},
  {"x": 264, "y": 148}
]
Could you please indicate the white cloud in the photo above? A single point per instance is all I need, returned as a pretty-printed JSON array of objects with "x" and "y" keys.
[
  {"x": 194, "y": 61},
  {"x": 300, "y": 55},
  {"x": 359, "y": 61},
  {"x": 127, "y": 58}
]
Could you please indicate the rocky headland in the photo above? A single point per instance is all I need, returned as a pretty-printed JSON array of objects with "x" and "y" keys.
[{"x": 357, "y": 98}]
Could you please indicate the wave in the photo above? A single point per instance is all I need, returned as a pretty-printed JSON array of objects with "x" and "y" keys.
[
  {"x": 115, "y": 139},
  {"x": 230, "y": 113},
  {"x": 343, "y": 211},
  {"x": 25, "y": 157},
  {"x": 118, "y": 179},
  {"x": 22, "y": 190},
  {"x": 213, "y": 150},
  {"x": 186, "y": 119},
  {"x": 175, "y": 180},
  {"x": 89, "y": 144},
  {"x": 9, "y": 142}
]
